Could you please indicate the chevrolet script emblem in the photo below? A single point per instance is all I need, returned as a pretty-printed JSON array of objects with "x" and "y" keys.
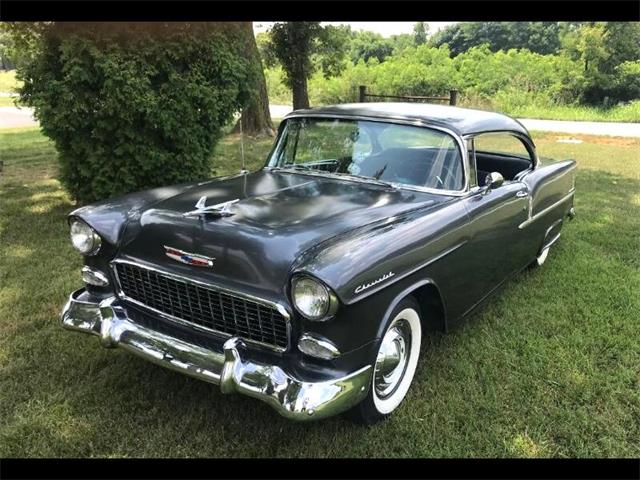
[{"x": 188, "y": 258}]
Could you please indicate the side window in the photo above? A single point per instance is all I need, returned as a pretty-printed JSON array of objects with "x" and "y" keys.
[
  {"x": 500, "y": 152},
  {"x": 501, "y": 143}
]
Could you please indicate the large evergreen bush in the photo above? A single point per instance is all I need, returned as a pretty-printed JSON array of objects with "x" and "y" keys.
[{"x": 134, "y": 106}]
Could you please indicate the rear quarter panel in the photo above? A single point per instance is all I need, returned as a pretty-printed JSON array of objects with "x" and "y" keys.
[
  {"x": 551, "y": 192},
  {"x": 550, "y": 183}
]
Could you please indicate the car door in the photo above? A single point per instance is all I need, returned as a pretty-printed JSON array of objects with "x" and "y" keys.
[{"x": 495, "y": 240}]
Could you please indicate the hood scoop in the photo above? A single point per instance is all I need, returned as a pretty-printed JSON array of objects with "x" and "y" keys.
[{"x": 220, "y": 210}]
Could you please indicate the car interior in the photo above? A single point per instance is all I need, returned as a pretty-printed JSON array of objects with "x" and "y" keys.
[
  {"x": 499, "y": 152},
  {"x": 507, "y": 165},
  {"x": 429, "y": 167}
]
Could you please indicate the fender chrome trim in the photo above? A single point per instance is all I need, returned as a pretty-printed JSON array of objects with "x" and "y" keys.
[{"x": 542, "y": 213}]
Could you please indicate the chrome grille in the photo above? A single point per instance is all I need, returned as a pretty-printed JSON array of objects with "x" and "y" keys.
[{"x": 204, "y": 306}]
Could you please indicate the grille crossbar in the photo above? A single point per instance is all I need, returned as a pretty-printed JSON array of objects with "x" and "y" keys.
[{"x": 203, "y": 306}]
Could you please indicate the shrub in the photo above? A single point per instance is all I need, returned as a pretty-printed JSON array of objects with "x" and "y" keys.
[
  {"x": 278, "y": 91},
  {"x": 134, "y": 106}
]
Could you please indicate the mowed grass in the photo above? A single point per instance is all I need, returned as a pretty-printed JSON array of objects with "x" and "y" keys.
[
  {"x": 549, "y": 367},
  {"x": 629, "y": 112}
]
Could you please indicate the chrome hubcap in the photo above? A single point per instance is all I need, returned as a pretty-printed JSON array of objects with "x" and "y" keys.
[{"x": 392, "y": 359}]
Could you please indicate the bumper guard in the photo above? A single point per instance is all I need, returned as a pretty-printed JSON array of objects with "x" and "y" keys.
[{"x": 292, "y": 397}]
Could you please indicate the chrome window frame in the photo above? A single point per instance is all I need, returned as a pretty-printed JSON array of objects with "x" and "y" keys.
[
  {"x": 393, "y": 120},
  {"x": 278, "y": 306},
  {"x": 525, "y": 139}
]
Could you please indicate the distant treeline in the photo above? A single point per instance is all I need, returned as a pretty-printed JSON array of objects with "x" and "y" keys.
[{"x": 501, "y": 65}]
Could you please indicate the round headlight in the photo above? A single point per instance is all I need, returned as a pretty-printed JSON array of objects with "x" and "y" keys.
[
  {"x": 311, "y": 298},
  {"x": 84, "y": 238}
]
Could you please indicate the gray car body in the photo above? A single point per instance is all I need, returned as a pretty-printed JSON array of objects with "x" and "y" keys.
[{"x": 451, "y": 250}]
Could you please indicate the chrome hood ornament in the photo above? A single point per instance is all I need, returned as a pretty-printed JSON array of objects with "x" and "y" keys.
[{"x": 220, "y": 209}]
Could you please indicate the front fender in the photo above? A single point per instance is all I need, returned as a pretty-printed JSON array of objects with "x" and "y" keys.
[
  {"x": 110, "y": 217},
  {"x": 367, "y": 260}
]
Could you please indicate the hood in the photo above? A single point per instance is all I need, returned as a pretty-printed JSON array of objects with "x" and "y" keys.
[{"x": 277, "y": 217}]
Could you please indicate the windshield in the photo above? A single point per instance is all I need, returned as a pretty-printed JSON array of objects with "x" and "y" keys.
[{"x": 393, "y": 153}]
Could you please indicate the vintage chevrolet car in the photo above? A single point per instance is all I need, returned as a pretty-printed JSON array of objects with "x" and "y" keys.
[{"x": 309, "y": 283}]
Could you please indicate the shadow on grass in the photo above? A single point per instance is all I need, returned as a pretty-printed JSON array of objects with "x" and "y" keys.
[{"x": 64, "y": 395}]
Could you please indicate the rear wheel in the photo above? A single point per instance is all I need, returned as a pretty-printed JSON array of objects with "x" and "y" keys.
[{"x": 395, "y": 365}]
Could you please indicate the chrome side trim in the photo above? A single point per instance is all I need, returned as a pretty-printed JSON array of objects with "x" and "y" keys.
[
  {"x": 278, "y": 306},
  {"x": 553, "y": 240},
  {"x": 290, "y": 395},
  {"x": 542, "y": 213}
]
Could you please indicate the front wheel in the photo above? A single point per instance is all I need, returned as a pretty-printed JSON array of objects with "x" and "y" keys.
[{"x": 395, "y": 365}]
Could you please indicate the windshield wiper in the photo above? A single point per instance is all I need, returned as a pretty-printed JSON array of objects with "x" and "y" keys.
[
  {"x": 302, "y": 166},
  {"x": 364, "y": 178}
]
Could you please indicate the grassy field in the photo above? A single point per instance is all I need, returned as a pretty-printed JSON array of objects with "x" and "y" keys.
[
  {"x": 623, "y": 113},
  {"x": 550, "y": 367}
]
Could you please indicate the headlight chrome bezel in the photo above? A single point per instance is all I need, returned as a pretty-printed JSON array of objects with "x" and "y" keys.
[
  {"x": 331, "y": 299},
  {"x": 96, "y": 240}
]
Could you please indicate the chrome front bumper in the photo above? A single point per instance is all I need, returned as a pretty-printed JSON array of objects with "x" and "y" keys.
[{"x": 292, "y": 397}]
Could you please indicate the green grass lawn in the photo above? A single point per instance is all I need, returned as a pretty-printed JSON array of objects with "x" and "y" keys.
[
  {"x": 550, "y": 367},
  {"x": 623, "y": 113}
]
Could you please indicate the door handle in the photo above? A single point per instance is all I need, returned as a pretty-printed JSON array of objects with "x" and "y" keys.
[{"x": 522, "y": 194}]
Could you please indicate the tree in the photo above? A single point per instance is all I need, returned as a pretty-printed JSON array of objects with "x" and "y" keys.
[
  {"x": 622, "y": 43},
  {"x": 401, "y": 42},
  {"x": 301, "y": 48},
  {"x": 256, "y": 117},
  {"x": 420, "y": 31},
  {"x": 609, "y": 53},
  {"x": 538, "y": 37},
  {"x": 131, "y": 106},
  {"x": 365, "y": 45},
  {"x": 6, "y": 47},
  {"x": 263, "y": 41}
]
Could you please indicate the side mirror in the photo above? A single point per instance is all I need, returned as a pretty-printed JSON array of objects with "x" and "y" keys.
[{"x": 493, "y": 180}]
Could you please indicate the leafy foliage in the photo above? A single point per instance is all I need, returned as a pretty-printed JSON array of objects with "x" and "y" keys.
[
  {"x": 365, "y": 45},
  {"x": 598, "y": 64},
  {"x": 297, "y": 44},
  {"x": 539, "y": 37},
  {"x": 420, "y": 31},
  {"x": 603, "y": 48},
  {"x": 133, "y": 106}
]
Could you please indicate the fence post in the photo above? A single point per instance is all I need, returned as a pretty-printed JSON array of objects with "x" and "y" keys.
[
  {"x": 453, "y": 97},
  {"x": 363, "y": 92}
]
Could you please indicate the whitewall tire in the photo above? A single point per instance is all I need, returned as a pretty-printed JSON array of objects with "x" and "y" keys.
[{"x": 395, "y": 364}]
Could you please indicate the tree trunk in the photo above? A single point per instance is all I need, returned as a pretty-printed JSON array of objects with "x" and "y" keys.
[
  {"x": 300, "y": 93},
  {"x": 255, "y": 118}
]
